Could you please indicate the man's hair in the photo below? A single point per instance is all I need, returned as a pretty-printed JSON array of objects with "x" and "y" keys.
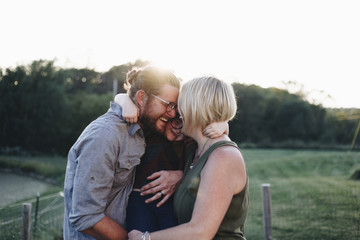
[
  {"x": 150, "y": 79},
  {"x": 206, "y": 100}
]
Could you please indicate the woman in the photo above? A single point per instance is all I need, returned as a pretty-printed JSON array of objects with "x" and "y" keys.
[
  {"x": 164, "y": 151},
  {"x": 212, "y": 199}
]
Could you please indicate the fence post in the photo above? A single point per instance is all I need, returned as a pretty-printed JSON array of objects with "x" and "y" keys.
[
  {"x": 26, "y": 216},
  {"x": 267, "y": 211},
  {"x": 36, "y": 209}
]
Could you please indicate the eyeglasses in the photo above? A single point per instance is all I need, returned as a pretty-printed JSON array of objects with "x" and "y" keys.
[
  {"x": 176, "y": 123},
  {"x": 169, "y": 105}
]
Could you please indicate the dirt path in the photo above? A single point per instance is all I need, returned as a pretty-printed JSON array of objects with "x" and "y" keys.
[{"x": 15, "y": 188}]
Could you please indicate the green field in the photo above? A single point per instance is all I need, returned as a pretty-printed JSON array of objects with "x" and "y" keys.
[
  {"x": 50, "y": 169},
  {"x": 312, "y": 193}
]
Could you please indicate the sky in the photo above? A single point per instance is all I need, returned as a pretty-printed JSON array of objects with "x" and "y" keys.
[{"x": 315, "y": 44}]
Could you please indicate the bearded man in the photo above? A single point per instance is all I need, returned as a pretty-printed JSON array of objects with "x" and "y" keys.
[{"x": 101, "y": 164}]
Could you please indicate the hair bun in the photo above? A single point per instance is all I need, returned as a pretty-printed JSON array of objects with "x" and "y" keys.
[{"x": 132, "y": 75}]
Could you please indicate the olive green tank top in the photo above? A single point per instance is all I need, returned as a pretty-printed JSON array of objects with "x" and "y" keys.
[{"x": 232, "y": 226}]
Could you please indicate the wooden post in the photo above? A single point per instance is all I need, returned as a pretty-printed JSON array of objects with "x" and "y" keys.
[
  {"x": 36, "y": 209},
  {"x": 267, "y": 211},
  {"x": 26, "y": 216}
]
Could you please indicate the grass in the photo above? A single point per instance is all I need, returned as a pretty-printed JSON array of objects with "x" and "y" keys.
[
  {"x": 51, "y": 169},
  {"x": 312, "y": 194}
]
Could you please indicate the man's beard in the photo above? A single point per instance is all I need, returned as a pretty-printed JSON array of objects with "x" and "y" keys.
[{"x": 149, "y": 123}]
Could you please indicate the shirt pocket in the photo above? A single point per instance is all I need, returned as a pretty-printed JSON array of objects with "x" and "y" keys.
[
  {"x": 124, "y": 172},
  {"x": 128, "y": 163}
]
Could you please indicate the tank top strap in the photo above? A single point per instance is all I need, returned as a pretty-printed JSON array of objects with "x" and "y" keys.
[{"x": 205, "y": 156}]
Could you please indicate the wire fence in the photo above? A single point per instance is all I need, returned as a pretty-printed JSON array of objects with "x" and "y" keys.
[
  {"x": 315, "y": 215},
  {"x": 323, "y": 214},
  {"x": 47, "y": 214}
]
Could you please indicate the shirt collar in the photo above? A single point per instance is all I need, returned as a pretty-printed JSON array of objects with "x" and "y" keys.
[{"x": 132, "y": 127}]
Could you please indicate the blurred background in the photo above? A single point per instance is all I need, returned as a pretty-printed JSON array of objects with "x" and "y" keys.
[{"x": 294, "y": 66}]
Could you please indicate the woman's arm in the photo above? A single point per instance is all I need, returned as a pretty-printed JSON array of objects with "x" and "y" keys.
[
  {"x": 223, "y": 176},
  {"x": 130, "y": 111}
]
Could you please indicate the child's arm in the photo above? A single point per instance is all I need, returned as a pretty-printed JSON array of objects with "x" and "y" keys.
[
  {"x": 130, "y": 111},
  {"x": 216, "y": 129}
]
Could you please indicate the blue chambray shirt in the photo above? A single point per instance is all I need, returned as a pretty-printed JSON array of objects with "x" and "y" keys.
[{"x": 100, "y": 172}]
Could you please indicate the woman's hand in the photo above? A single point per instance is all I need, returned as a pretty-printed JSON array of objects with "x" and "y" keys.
[
  {"x": 135, "y": 235},
  {"x": 216, "y": 129},
  {"x": 163, "y": 185},
  {"x": 130, "y": 111}
]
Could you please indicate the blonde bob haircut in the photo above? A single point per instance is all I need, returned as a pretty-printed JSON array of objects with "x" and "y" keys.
[{"x": 205, "y": 100}]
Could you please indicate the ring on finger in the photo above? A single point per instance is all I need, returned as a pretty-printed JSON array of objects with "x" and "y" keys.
[{"x": 162, "y": 195}]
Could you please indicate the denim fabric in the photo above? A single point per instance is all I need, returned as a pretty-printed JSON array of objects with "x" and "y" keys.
[
  {"x": 100, "y": 172},
  {"x": 146, "y": 216}
]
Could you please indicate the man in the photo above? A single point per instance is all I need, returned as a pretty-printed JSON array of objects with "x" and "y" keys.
[{"x": 101, "y": 163}]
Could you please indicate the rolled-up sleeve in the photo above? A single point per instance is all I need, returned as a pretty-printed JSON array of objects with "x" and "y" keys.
[{"x": 93, "y": 178}]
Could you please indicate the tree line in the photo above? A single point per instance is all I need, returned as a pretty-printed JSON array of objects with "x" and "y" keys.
[{"x": 44, "y": 108}]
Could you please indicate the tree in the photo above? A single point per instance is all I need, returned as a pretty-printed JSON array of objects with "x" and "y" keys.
[{"x": 33, "y": 107}]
